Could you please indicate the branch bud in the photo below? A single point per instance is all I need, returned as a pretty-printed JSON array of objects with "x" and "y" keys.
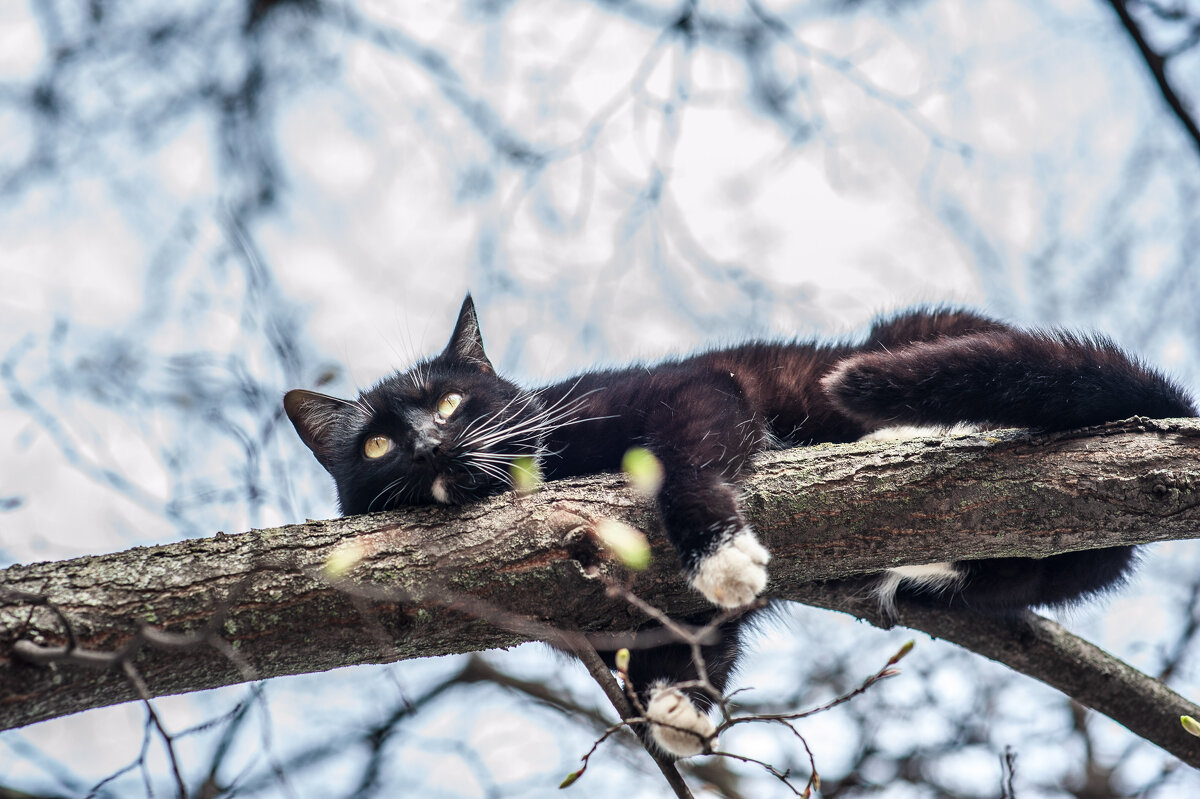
[
  {"x": 1191, "y": 725},
  {"x": 644, "y": 470},
  {"x": 526, "y": 475},
  {"x": 902, "y": 652},
  {"x": 626, "y": 543}
]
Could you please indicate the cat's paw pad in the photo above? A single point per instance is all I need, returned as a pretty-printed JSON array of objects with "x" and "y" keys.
[
  {"x": 735, "y": 574},
  {"x": 682, "y": 729}
]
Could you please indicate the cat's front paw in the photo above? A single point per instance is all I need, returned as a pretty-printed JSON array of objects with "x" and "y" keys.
[
  {"x": 735, "y": 574},
  {"x": 682, "y": 729}
]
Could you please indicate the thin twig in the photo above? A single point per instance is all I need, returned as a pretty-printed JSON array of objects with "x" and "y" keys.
[
  {"x": 134, "y": 677},
  {"x": 1157, "y": 64}
]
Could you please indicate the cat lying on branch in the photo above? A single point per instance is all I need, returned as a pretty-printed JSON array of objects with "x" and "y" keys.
[{"x": 449, "y": 430}]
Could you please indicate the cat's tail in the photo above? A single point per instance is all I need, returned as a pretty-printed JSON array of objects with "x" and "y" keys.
[{"x": 1005, "y": 377}]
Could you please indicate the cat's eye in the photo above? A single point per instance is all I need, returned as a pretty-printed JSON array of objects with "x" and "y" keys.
[
  {"x": 447, "y": 405},
  {"x": 377, "y": 447}
]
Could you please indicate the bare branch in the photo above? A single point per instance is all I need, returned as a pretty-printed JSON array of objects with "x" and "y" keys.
[
  {"x": 1157, "y": 64},
  {"x": 1043, "y": 649}
]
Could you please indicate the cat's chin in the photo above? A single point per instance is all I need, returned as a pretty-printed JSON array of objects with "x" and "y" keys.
[
  {"x": 439, "y": 491},
  {"x": 447, "y": 490}
]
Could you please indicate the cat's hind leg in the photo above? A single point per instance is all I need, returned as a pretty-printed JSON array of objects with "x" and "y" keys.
[
  {"x": 677, "y": 704},
  {"x": 1048, "y": 380},
  {"x": 678, "y": 727},
  {"x": 1006, "y": 377}
]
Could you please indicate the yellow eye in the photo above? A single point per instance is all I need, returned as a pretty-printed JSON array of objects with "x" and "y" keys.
[
  {"x": 448, "y": 404},
  {"x": 377, "y": 447}
]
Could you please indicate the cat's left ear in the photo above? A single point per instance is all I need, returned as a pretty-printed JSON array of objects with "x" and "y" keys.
[
  {"x": 319, "y": 419},
  {"x": 466, "y": 343}
]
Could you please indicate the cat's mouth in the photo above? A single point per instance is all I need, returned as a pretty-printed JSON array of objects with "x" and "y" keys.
[{"x": 450, "y": 488}]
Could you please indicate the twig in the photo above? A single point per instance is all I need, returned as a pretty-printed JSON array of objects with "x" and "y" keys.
[
  {"x": 883, "y": 674},
  {"x": 1046, "y": 651},
  {"x": 1008, "y": 770},
  {"x": 1157, "y": 64},
  {"x": 782, "y": 776},
  {"x": 134, "y": 677}
]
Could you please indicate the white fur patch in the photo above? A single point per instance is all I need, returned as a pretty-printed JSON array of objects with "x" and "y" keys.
[
  {"x": 935, "y": 576},
  {"x": 438, "y": 489},
  {"x": 736, "y": 573},
  {"x": 689, "y": 733},
  {"x": 904, "y": 432}
]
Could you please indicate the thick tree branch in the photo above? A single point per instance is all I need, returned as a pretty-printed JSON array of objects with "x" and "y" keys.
[{"x": 439, "y": 580}]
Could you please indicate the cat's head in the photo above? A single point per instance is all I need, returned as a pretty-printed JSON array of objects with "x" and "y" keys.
[{"x": 448, "y": 430}]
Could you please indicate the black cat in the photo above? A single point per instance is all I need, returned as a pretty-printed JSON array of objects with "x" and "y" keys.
[{"x": 449, "y": 429}]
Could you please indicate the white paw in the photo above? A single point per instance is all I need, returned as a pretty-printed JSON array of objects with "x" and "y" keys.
[
  {"x": 735, "y": 574},
  {"x": 687, "y": 732}
]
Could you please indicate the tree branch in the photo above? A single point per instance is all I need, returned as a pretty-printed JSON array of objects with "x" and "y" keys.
[
  {"x": 1157, "y": 64},
  {"x": 431, "y": 581},
  {"x": 1045, "y": 650}
]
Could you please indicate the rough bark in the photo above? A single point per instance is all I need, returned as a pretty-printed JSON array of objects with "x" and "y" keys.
[{"x": 434, "y": 581}]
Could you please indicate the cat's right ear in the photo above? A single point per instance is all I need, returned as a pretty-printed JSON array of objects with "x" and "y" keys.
[
  {"x": 318, "y": 419},
  {"x": 466, "y": 342}
]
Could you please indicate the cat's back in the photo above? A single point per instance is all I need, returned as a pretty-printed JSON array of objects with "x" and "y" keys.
[{"x": 782, "y": 382}]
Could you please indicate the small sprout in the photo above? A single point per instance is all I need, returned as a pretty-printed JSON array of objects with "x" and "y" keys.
[
  {"x": 627, "y": 543},
  {"x": 526, "y": 475},
  {"x": 623, "y": 660},
  {"x": 1191, "y": 725},
  {"x": 644, "y": 470},
  {"x": 902, "y": 653},
  {"x": 342, "y": 559},
  {"x": 570, "y": 780}
]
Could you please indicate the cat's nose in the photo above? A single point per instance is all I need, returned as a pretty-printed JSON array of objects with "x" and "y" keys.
[
  {"x": 426, "y": 454},
  {"x": 426, "y": 448}
]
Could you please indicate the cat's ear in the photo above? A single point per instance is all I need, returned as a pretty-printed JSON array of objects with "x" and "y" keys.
[
  {"x": 466, "y": 342},
  {"x": 318, "y": 419}
]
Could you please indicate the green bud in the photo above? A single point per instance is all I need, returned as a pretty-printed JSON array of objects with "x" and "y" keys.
[
  {"x": 526, "y": 475},
  {"x": 902, "y": 653},
  {"x": 627, "y": 543},
  {"x": 622, "y": 660},
  {"x": 570, "y": 780},
  {"x": 1191, "y": 725},
  {"x": 644, "y": 470}
]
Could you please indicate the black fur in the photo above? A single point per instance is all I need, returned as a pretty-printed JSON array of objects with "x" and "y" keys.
[{"x": 705, "y": 416}]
